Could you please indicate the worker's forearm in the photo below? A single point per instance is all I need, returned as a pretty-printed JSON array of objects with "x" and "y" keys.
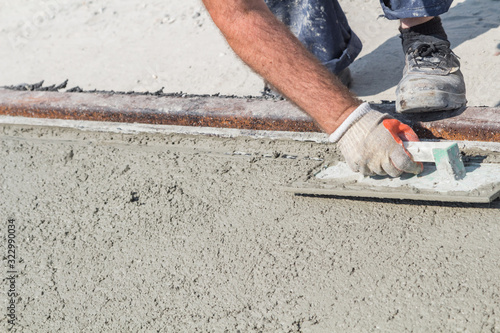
[{"x": 270, "y": 49}]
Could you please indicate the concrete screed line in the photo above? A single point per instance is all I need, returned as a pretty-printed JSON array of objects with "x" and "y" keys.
[{"x": 135, "y": 128}]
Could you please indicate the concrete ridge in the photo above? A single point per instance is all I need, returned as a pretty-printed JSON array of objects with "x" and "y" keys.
[{"x": 137, "y": 128}]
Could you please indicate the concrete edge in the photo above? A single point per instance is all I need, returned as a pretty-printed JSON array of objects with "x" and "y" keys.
[{"x": 137, "y": 128}]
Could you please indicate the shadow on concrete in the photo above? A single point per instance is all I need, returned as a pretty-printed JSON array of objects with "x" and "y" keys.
[
  {"x": 387, "y": 61},
  {"x": 495, "y": 204}
]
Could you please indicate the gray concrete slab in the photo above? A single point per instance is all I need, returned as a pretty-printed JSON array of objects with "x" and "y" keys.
[{"x": 182, "y": 233}]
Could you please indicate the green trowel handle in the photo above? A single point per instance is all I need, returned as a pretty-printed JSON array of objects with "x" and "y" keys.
[{"x": 446, "y": 155}]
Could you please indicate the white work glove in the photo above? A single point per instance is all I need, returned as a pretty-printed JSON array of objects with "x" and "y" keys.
[{"x": 372, "y": 143}]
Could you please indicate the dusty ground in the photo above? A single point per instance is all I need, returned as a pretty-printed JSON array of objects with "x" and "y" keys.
[
  {"x": 175, "y": 233},
  {"x": 149, "y": 44}
]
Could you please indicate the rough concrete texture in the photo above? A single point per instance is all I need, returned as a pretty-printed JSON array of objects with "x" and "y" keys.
[{"x": 178, "y": 233}]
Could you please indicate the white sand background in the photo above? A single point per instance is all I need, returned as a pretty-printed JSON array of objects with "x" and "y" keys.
[{"x": 146, "y": 45}]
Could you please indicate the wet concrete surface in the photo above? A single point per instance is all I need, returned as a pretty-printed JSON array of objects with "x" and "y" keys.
[{"x": 180, "y": 233}]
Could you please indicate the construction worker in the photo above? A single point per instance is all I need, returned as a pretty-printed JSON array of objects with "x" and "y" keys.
[{"x": 303, "y": 49}]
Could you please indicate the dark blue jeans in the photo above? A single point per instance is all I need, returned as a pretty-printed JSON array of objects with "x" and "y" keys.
[{"x": 322, "y": 26}]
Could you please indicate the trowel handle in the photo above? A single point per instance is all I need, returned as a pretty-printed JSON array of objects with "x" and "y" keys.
[
  {"x": 422, "y": 151},
  {"x": 446, "y": 156}
]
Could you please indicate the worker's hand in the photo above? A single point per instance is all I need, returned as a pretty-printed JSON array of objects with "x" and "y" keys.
[{"x": 371, "y": 143}]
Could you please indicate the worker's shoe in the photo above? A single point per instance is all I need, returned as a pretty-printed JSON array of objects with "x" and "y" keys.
[{"x": 432, "y": 80}]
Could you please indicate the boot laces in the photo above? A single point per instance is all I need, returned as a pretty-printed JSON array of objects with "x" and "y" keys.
[{"x": 426, "y": 54}]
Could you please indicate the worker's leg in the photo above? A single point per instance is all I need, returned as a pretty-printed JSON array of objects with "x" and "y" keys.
[
  {"x": 432, "y": 80},
  {"x": 322, "y": 27},
  {"x": 400, "y": 9}
]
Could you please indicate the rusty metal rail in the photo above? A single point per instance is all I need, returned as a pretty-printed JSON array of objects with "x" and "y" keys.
[{"x": 472, "y": 123}]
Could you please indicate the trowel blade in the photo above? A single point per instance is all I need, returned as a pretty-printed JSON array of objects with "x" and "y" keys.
[{"x": 480, "y": 185}]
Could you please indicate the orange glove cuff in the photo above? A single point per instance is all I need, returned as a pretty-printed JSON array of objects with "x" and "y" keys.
[{"x": 399, "y": 131}]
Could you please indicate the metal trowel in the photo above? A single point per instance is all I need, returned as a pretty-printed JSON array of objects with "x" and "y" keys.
[{"x": 445, "y": 178}]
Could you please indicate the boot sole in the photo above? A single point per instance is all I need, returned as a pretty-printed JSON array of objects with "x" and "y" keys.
[{"x": 429, "y": 101}]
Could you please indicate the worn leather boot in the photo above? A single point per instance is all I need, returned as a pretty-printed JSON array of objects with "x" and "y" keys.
[{"x": 432, "y": 80}]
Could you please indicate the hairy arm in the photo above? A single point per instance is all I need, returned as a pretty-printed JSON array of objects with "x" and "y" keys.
[{"x": 271, "y": 50}]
